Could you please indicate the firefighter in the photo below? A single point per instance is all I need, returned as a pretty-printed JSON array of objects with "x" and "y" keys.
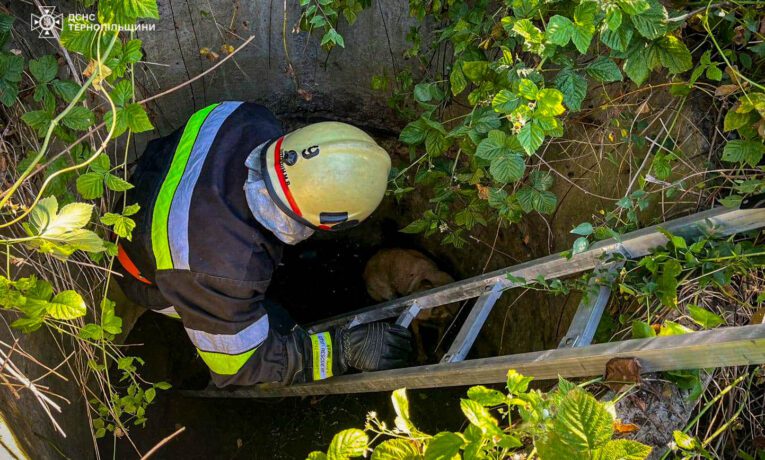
[{"x": 219, "y": 198}]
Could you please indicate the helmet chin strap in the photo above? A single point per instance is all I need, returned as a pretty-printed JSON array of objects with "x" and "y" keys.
[{"x": 263, "y": 208}]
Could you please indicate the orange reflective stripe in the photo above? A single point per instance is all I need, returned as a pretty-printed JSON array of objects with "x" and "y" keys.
[{"x": 129, "y": 266}]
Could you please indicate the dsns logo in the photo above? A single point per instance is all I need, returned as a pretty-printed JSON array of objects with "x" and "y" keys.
[{"x": 48, "y": 22}]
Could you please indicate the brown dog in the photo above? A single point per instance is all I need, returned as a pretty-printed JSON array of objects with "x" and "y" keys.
[{"x": 396, "y": 272}]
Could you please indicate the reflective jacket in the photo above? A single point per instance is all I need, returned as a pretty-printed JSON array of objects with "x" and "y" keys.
[{"x": 197, "y": 246}]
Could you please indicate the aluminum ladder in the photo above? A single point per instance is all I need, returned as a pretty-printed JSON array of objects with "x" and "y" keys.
[{"x": 575, "y": 356}]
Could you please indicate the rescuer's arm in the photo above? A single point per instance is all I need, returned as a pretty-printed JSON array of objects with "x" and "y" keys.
[{"x": 228, "y": 322}]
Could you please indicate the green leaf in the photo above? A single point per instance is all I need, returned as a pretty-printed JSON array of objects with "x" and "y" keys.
[
  {"x": 117, "y": 184},
  {"x": 475, "y": 70},
  {"x": 516, "y": 383},
  {"x": 91, "y": 332},
  {"x": 582, "y": 422},
  {"x": 71, "y": 217},
  {"x": 44, "y": 69},
  {"x": 642, "y": 330},
  {"x": 79, "y": 119},
  {"x": 436, "y": 143},
  {"x": 417, "y": 226},
  {"x": 132, "y": 51},
  {"x": 102, "y": 164},
  {"x": 66, "y": 89},
  {"x": 401, "y": 406},
  {"x": 743, "y": 151},
  {"x": 559, "y": 30},
  {"x": 585, "y": 12},
  {"x": 137, "y": 119},
  {"x": 495, "y": 145},
  {"x": 414, "y": 132},
  {"x": 485, "y": 396},
  {"x": 67, "y": 305},
  {"x": 11, "y": 67},
  {"x": 582, "y": 37},
  {"x": 348, "y": 443},
  {"x": 613, "y": 18},
  {"x": 604, "y": 69},
  {"x": 573, "y": 86},
  {"x": 505, "y": 101},
  {"x": 532, "y": 199},
  {"x": 735, "y": 120},
  {"x": 122, "y": 93},
  {"x": 528, "y": 89},
  {"x": 480, "y": 417},
  {"x": 581, "y": 244},
  {"x": 90, "y": 185},
  {"x": 317, "y": 455},
  {"x": 619, "y": 39},
  {"x": 549, "y": 102},
  {"x": 673, "y": 328},
  {"x": 507, "y": 167},
  {"x": 396, "y": 449},
  {"x": 673, "y": 54},
  {"x": 583, "y": 229},
  {"x": 533, "y": 37},
  {"x": 624, "y": 449},
  {"x": 684, "y": 441},
  {"x": 541, "y": 180},
  {"x": 633, "y": 7},
  {"x": 79, "y": 35},
  {"x": 666, "y": 283},
  {"x": 131, "y": 209},
  {"x": 484, "y": 120},
  {"x": 444, "y": 446},
  {"x": 110, "y": 322},
  {"x": 636, "y": 67},
  {"x": 8, "y": 92},
  {"x": 531, "y": 137},
  {"x": 27, "y": 325},
  {"x": 651, "y": 23},
  {"x": 425, "y": 92},
  {"x": 457, "y": 80},
  {"x": 150, "y": 394},
  {"x": 704, "y": 317},
  {"x": 123, "y": 226},
  {"x": 39, "y": 120}
]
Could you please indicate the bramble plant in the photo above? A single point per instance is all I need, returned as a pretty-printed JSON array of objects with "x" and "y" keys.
[
  {"x": 519, "y": 70},
  {"x": 47, "y": 222},
  {"x": 566, "y": 422}
]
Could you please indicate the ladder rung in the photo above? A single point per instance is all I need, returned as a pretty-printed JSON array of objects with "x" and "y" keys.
[
  {"x": 408, "y": 315},
  {"x": 472, "y": 326},
  {"x": 590, "y": 310}
]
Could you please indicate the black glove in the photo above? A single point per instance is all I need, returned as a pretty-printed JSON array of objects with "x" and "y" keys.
[
  {"x": 368, "y": 347},
  {"x": 375, "y": 346}
]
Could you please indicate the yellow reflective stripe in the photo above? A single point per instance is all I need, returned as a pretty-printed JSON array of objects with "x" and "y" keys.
[
  {"x": 321, "y": 345},
  {"x": 160, "y": 242},
  {"x": 223, "y": 364}
]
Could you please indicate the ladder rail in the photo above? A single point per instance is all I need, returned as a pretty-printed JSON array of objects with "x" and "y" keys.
[
  {"x": 730, "y": 346},
  {"x": 633, "y": 245}
]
